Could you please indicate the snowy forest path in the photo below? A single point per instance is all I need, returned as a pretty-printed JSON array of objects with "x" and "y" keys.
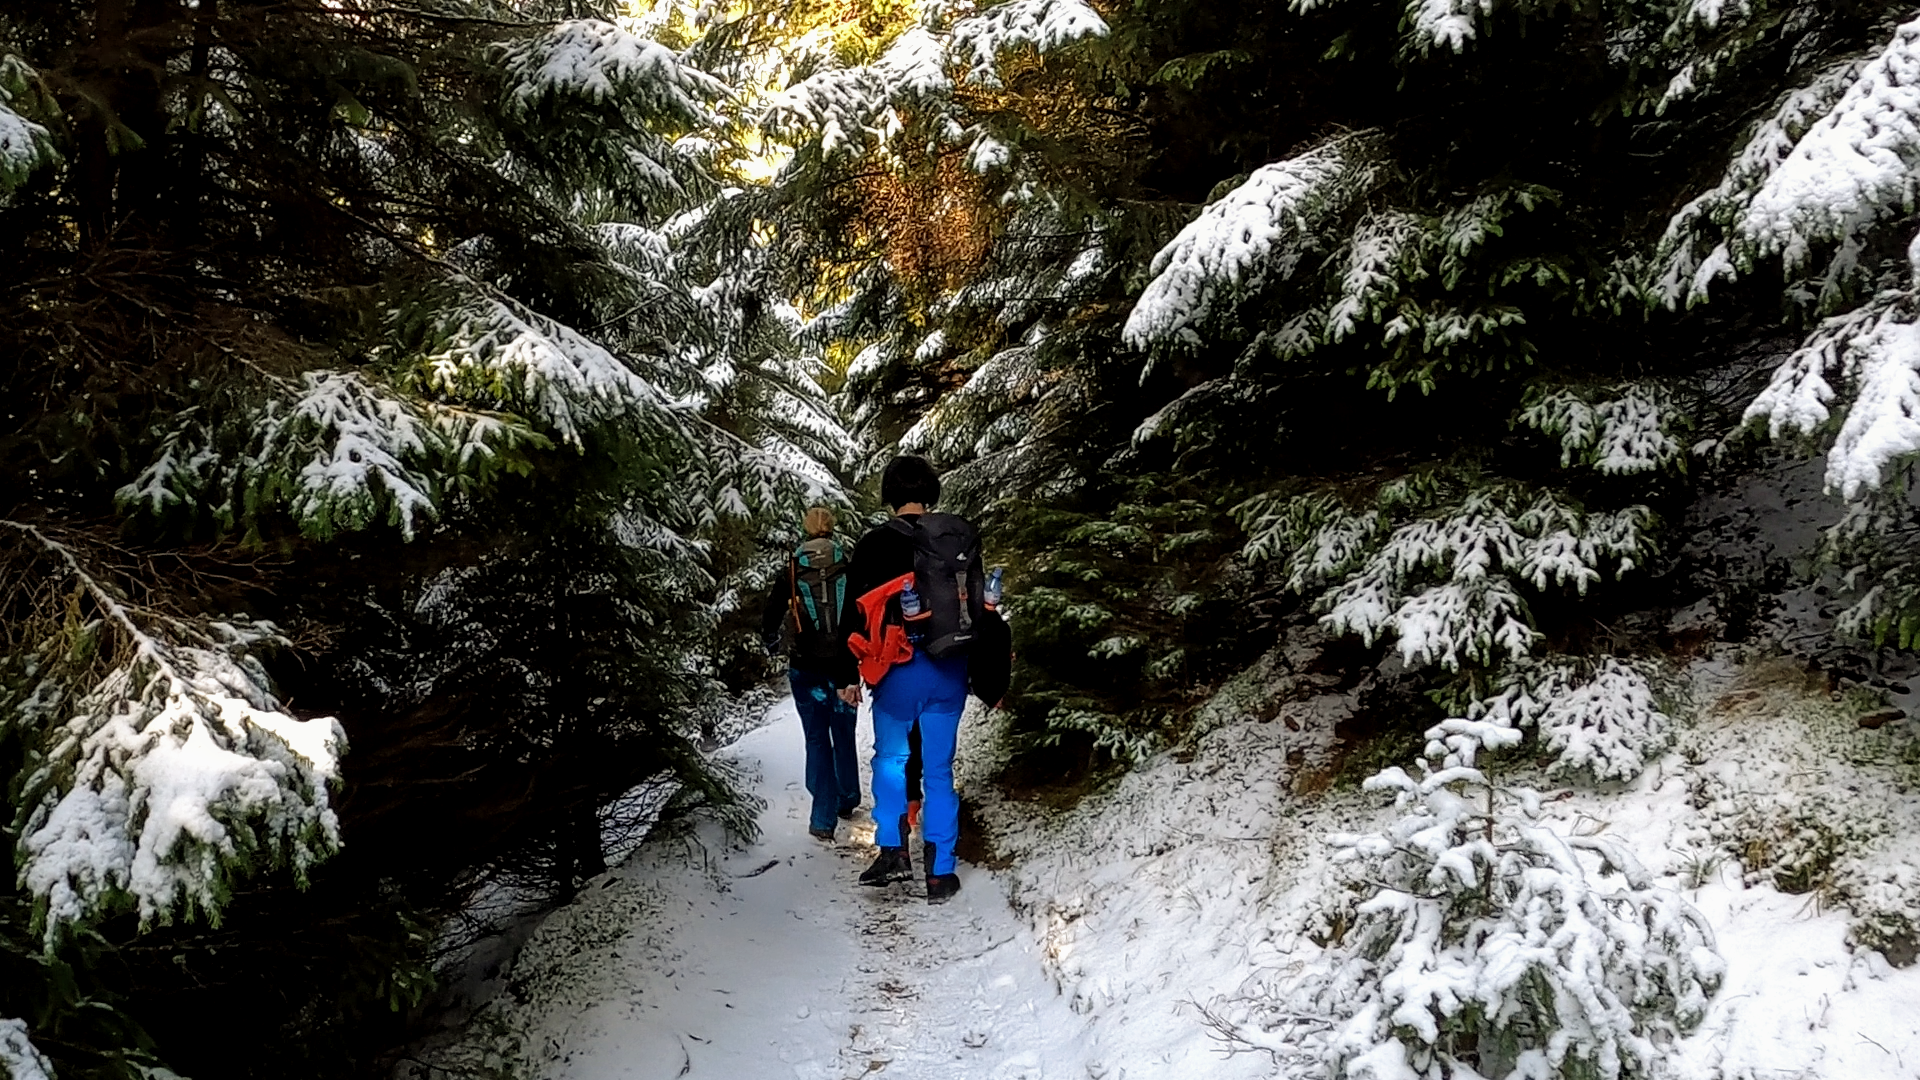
[{"x": 769, "y": 962}]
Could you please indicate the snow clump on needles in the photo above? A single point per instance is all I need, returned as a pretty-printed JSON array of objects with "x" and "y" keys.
[
  {"x": 168, "y": 757},
  {"x": 19, "y": 1059}
]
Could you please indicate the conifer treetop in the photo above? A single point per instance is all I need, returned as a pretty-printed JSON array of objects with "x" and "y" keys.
[{"x": 861, "y": 109}]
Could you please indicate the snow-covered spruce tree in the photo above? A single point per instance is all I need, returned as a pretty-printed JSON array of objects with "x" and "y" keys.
[
  {"x": 915, "y": 202},
  {"x": 416, "y": 332},
  {"x": 1472, "y": 939},
  {"x": 1352, "y": 264},
  {"x": 1815, "y": 207},
  {"x": 933, "y": 165}
]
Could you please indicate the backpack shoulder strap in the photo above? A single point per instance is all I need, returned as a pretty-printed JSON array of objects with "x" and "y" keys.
[
  {"x": 839, "y": 601},
  {"x": 793, "y": 592},
  {"x": 900, "y": 525}
]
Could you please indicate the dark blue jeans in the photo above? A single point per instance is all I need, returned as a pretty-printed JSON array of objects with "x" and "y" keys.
[{"x": 833, "y": 773}]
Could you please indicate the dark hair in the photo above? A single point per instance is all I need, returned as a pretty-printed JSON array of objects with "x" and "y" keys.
[{"x": 909, "y": 479}]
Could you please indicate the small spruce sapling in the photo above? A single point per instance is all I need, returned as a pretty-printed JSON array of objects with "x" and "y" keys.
[{"x": 1479, "y": 941}]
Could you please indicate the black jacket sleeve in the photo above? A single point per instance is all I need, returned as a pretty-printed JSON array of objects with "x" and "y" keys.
[
  {"x": 990, "y": 664},
  {"x": 779, "y": 601}
]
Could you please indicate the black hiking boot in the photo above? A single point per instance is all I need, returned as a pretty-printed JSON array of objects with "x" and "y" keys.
[
  {"x": 941, "y": 887},
  {"x": 821, "y": 834},
  {"x": 890, "y": 866}
]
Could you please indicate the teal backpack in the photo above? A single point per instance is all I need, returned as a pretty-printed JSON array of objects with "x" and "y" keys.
[{"x": 818, "y": 574}]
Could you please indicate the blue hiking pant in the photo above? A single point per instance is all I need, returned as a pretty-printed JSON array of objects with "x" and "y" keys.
[
  {"x": 833, "y": 771},
  {"x": 932, "y": 693}
]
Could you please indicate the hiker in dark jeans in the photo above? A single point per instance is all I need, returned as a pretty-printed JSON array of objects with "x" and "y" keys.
[{"x": 796, "y": 615}]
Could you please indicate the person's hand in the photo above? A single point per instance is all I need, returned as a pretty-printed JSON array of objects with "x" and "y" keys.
[{"x": 851, "y": 694}]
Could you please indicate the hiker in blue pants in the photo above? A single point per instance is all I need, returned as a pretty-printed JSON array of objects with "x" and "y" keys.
[
  {"x": 931, "y": 693},
  {"x": 919, "y": 634},
  {"x": 802, "y": 615}
]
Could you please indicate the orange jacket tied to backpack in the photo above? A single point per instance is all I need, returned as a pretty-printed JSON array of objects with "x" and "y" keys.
[{"x": 885, "y": 642}]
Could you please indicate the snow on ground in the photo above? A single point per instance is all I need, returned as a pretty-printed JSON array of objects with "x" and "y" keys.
[
  {"x": 1776, "y": 781},
  {"x": 769, "y": 962},
  {"x": 1187, "y": 890},
  {"x": 1175, "y": 887}
]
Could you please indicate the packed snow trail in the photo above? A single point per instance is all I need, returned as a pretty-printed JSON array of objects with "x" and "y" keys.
[{"x": 770, "y": 963}]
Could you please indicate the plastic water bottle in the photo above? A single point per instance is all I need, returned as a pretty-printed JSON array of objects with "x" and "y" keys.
[
  {"x": 991, "y": 595},
  {"x": 909, "y": 603}
]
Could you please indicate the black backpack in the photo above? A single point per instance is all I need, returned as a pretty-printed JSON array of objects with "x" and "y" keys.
[
  {"x": 819, "y": 582},
  {"x": 948, "y": 576}
]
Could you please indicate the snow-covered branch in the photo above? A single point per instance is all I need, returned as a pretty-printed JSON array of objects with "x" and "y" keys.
[
  {"x": 857, "y": 110},
  {"x": 1696, "y": 248},
  {"x": 482, "y": 346},
  {"x": 24, "y": 144},
  {"x": 166, "y": 771},
  {"x": 1600, "y": 721},
  {"x": 1443, "y": 581},
  {"x": 853, "y": 110},
  {"x": 336, "y": 450},
  {"x": 595, "y": 60},
  {"x": 1618, "y": 430},
  {"x": 19, "y": 1058},
  {"x": 1256, "y": 233},
  {"x": 1853, "y": 167},
  {"x": 1041, "y": 25},
  {"x": 1871, "y": 353}
]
